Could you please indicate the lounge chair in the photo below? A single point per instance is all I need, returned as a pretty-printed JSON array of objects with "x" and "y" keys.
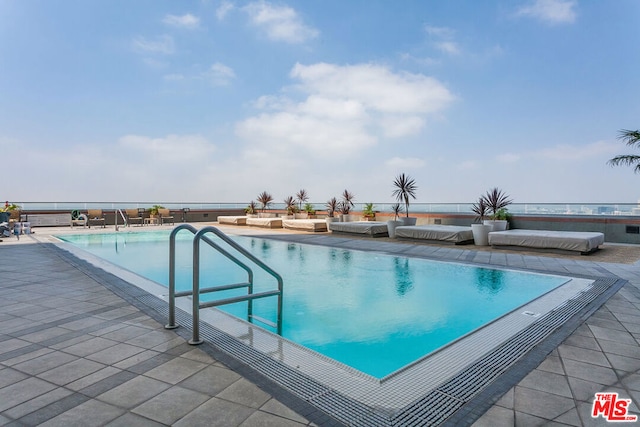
[
  {"x": 584, "y": 242},
  {"x": 134, "y": 216},
  {"x": 370, "y": 228},
  {"x": 165, "y": 216},
  {"x": 232, "y": 220},
  {"x": 305, "y": 224},
  {"x": 265, "y": 222},
  {"x": 458, "y": 235},
  {"x": 96, "y": 217}
]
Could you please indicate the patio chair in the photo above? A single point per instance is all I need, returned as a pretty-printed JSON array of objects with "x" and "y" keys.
[
  {"x": 165, "y": 216},
  {"x": 134, "y": 216},
  {"x": 96, "y": 217}
]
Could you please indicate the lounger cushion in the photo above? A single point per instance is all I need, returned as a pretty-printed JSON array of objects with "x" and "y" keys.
[
  {"x": 265, "y": 222},
  {"x": 233, "y": 220},
  {"x": 444, "y": 233},
  {"x": 582, "y": 241},
  {"x": 371, "y": 228},
  {"x": 305, "y": 224}
]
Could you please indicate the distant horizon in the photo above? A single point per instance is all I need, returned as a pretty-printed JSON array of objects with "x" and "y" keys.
[{"x": 224, "y": 99}]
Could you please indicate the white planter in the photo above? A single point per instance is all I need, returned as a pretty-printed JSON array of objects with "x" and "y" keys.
[
  {"x": 481, "y": 233},
  {"x": 391, "y": 227},
  {"x": 331, "y": 219},
  {"x": 498, "y": 224},
  {"x": 408, "y": 220}
]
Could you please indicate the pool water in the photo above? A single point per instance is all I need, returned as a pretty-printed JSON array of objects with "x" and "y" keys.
[{"x": 374, "y": 312}]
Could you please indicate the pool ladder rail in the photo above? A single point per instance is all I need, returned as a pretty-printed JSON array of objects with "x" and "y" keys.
[{"x": 196, "y": 291}]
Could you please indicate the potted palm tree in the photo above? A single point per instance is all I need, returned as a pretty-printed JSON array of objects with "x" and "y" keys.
[
  {"x": 495, "y": 201},
  {"x": 480, "y": 230},
  {"x": 302, "y": 197},
  {"x": 154, "y": 211},
  {"x": 251, "y": 209},
  {"x": 332, "y": 207},
  {"x": 265, "y": 200},
  {"x": 393, "y": 223},
  {"x": 368, "y": 213},
  {"x": 290, "y": 206},
  {"x": 345, "y": 205},
  {"x": 309, "y": 210},
  {"x": 405, "y": 188}
]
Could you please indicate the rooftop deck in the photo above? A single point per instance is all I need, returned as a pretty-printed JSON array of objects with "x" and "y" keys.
[{"x": 76, "y": 349}]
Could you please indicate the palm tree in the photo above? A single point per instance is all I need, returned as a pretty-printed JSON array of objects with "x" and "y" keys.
[
  {"x": 302, "y": 197},
  {"x": 290, "y": 205},
  {"x": 405, "y": 188},
  {"x": 495, "y": 200},
  {"x": 265, "y": 200},
  {"x": 347, "y": 202},
  {"x": 631, "y": 138},
  {"x": 332, "y": 206}
]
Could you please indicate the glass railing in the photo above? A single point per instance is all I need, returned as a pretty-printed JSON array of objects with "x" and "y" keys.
[{"x": 515, "y": 208}]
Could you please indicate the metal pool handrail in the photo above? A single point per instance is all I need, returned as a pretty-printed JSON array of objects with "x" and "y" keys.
[{"x": 200, "y": 235}]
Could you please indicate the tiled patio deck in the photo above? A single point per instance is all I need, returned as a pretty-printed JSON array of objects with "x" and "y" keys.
[{"x": 75, "y": 352}]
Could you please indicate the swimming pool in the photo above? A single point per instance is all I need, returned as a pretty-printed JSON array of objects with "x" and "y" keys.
[{"x": 374, "y": 312}]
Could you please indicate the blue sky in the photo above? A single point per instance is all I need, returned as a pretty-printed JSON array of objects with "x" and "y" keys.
[{"x": 217, "y": 101}]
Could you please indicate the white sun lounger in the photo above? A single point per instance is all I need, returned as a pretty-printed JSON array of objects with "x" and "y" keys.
[
  {"x": 232, "y": 220},
  {"x": 265, "y": 222},
  {"x": 305, "y": 224},
  {"x": 441, "y": 233},
  {"x": 584, "y": 242},
  {"x": 370, "y": 228}
]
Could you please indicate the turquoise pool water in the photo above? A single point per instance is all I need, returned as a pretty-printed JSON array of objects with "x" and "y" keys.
[{"x": 371, "y": 311}]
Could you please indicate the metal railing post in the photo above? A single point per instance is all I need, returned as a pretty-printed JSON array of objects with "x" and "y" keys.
[{"x": 195, "y": 340}]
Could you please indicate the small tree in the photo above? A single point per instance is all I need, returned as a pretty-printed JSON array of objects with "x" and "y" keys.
[
  {"x": 251, "y": 208},
  {"x": 265, "y": 200},
  {"x": 397, "y": 210},
  {"x": 290, "y": 205},
  {"x": 332, "y": 206},
  {"x": 495, "y": 200},
  {"x": 302, "y": 197},
  {"x": 405, "y": 188},
  {"x": 347, "y": 202},
  {"x": 480, "y": 209}
]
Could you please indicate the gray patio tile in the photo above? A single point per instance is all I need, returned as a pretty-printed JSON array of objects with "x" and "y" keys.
[
  {"x": 89, "y": 414},
  {"x": 552, "y": 364},
  {"x": 87, "y": 322},
  {"x": 622, "y": 363},
  {"x": 198, "y": 355},
  {"x": 634, "y": 328},
  {"x": 583, "y": 342},
  {"x": 216, "y": 413},
  {"x": 13, "y": 344},
  {"x": 506, "y": 401},
  {"x": 570, "y": 418},
  {"x": 125, "y": 333},
  {"x": 621, "y": 349},
  {"x": 44, "y": 334},
  {"x": 275, "y": 407},
  {"x": 171, "y": 405},
  {"x": 53, "y": 409},
  {"x": 582, "y": 355},
  {"x": 45, "y": 362},
  {"x": 605, "y": 334},
  {"x": 93, "y": 378},
  {"x": 136, "y": 359},
  {"x": 265, "y": 419},
  {"x": 584, "y": 390},
  {"x": 115, "y": 354},
  {"x": 134, "y": 392},
  {"x": 10, "y": 376},
  {"x": 547, "y": 382},
  {"x": 245, "y": 393},
  {"x": 133, "y": 420},
  {"x": 71, "y": 371},
  {"x": 211, "y": 380},
  {"x": 152, "y": 338},
  {"x": 72, "y": 341},
  {"x": 38, "y": 403},
  {"x": 589, "y": 372},
  {"x": 176, "y": 370},
  {"x": 177, "y": 346},
  {"x": 90, "y": 346},
  {"x": 496, "y": 416},
  {"x": 528, "y": 420},
  {"x": 632, "y": 381},
  {"x": 22, "y": 391}
]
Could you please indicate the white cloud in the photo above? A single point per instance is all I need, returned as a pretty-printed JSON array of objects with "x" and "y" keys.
[
  {"x": 508, "y": 158},
  {"x": 342, "y": 110},
  {"x": 448, "y": 47},
  {"x": 172, "y": 148},
  {"x": 161, "y": 45},
  {"x": 439, "y": 32},
  {"x": 223, "y": 10},
  {"x": 550, "y": 11},
  {"x": 187, "y": 21},
  {"x": 402, "y": 163},
  {"x": 219, "y": 74},
  {"x": 281, "y": 23},
  {"x": 567, "y": 152}
]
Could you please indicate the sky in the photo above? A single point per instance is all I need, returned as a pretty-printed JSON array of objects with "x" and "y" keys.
[{"x": 220, "y": 100}]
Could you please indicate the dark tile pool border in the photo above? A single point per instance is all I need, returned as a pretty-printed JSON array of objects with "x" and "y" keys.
[{"x": 458, "y": 401}]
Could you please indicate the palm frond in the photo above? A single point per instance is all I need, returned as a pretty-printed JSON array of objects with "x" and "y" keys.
[
  {"x": 629, "y": 137},
  {"x": 626, "y": 160}
]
